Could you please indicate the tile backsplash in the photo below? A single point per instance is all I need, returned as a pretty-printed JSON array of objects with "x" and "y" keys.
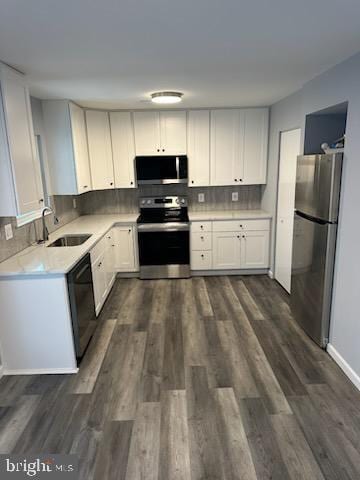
[
  {"x": 26, "y": 235},
  {"x": 127, "y": 200}
]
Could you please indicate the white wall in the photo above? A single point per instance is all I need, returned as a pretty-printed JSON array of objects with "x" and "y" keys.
[{"x": 337, "y": 85}]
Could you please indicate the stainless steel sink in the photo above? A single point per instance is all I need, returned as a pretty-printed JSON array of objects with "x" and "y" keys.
[{"x": 70, "y": 241}]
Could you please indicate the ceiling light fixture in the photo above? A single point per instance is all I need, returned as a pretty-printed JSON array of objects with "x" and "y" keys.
[{"x": 166, "y": 97}]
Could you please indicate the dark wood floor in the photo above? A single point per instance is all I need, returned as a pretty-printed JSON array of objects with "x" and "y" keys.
[{"x": 193, "y": 379}]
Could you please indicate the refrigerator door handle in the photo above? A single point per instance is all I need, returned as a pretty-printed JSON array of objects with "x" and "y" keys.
[{"x": 311, "y": 218}]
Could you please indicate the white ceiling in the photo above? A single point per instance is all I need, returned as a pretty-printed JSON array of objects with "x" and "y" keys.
[{"x": 114, "y": 53}]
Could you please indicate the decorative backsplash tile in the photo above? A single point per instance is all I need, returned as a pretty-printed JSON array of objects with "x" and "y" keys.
[{"x": 127, "y": 200}]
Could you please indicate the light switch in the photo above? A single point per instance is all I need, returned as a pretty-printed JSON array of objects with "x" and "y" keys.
[
  {"x": 201, "y": 197},
  {"x": 8, "y": 232},
  {"x": 235, "y": 196}
]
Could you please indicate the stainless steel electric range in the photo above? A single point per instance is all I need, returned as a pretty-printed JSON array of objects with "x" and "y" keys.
[{"x": 163, "y": 235}]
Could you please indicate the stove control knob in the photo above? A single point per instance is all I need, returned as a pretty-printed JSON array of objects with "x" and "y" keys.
[
  {"x": 182, "y": 201},
  {"x": 149, "y": 202},
  {"x": 143, "y": 202},
  {"x": 177, "y": 201}
]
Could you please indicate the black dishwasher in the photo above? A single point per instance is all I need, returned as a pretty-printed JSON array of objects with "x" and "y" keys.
[{"x": 82, "y": 304}]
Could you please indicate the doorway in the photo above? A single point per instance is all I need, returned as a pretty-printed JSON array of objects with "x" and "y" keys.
[{"x": 290, "y": 144}]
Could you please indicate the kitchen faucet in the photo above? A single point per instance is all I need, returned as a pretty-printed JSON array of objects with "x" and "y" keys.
[{"x": 45, "y": 236}]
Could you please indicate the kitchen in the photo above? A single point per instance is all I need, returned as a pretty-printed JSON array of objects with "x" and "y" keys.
[{"x": 152, "y": 282}]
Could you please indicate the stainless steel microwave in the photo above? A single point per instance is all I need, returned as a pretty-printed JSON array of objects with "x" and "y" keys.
[{"x": 157, "y": 170}]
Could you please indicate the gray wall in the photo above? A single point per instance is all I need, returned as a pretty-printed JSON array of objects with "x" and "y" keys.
[
  {"x": 26, "y": 235},
  {"x": 339, "y": 84}
]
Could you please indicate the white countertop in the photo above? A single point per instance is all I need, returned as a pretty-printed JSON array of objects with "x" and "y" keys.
[
  {"x": 229, "y": 215},
  {"x": 40, "y": 260}
]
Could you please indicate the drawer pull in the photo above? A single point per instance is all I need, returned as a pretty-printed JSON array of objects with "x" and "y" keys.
[{"x": 202, "y": 255}]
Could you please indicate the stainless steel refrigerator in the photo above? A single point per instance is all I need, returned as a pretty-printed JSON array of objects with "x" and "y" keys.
[{"x": 318, "y": 180}]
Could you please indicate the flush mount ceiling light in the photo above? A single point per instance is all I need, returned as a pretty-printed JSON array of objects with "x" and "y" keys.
[{"x": 166, "y": 97}]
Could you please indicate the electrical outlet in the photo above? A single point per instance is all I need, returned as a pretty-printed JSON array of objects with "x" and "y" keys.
[
  {"x": 8, "y": 232},
  {"x": 201, "y": 197},
  {"x": 74, "y": 202},
  {"x": 235, "y": 196}
]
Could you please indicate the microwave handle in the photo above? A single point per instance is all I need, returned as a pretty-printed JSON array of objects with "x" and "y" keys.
[{"x": 177, "y": 165}]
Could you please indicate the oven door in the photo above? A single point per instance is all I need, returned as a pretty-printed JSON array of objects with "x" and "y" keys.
[
  {"x": 164, "y": 251},
  {"x": 161, "y": 170}
]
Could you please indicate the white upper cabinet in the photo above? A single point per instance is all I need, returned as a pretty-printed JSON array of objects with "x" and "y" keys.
[
  {"x": 239, "y": 140},
  {"x": 67, "y": 147},
  {"x": 160, "y": 133},
  {"x": 227, "y": 144},
  {"x": 173, "y": 133},
  {"x": 255, "y": 145},
  {"x": 20, "y": 175},
  {"x": 100, "y": 151},
  {"x": 198, "y": 147},
  {"x": 147, "y": 133},
  {"x": 123, "y": 149}
]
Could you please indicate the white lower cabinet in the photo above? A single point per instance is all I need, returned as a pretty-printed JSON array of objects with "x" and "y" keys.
[
  {"x": 115, "y": 252},
  {"x": 255, "y": 249},
  {"x": 226, "y": 250},
  {"x": 125, "y": 259},
  {"x": 100, "y": 281},
  {"x": 230, "y": 244}
]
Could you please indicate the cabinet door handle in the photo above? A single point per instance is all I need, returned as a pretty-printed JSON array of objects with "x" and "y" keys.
[
  {"x": 158, "y": 149},
  {"x": 131, "y": 183},
  {"x": 129, "y": 230},
  {"x": 202, "y": 227},
  {"x": 202, "y": 256},
  {"x": 85, "y": 186},
  {"x": 192, "y": 181},
  {"x": 100, "y": 264},
  {"x": 237, "y": 236},
  {"x": 241, "y": 179},
  {"x": 243, "y": 236},
  {"x": 111, "y": 183},
  {"x": 241, "y": 226},
  {"x": 202, "y": 238},
  {"x": 41, "y": 200}
]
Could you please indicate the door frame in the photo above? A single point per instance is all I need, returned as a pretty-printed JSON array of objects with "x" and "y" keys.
[{"x": 281, "y": 132}]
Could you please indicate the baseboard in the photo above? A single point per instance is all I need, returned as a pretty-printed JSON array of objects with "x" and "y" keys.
[
  {"x": 271, "y": 274},
  {"x": 128, "y": 275},
  {"x": 41, "y": 371},
  {"x": 214, "y": 273},
  {"x": 345, "y": 367}
]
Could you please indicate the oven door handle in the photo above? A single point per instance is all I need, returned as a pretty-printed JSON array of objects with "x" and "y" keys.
[{"x": 163, "y": 227}]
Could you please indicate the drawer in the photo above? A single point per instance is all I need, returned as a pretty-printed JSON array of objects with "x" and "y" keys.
[
  {"x": 241, "y": 225},
  {"x": 201, "y": 240},
  {"x": 201, "y": 260},
  {"x": 99, "y": 248},
  {"x": 201, "y": 226}
]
